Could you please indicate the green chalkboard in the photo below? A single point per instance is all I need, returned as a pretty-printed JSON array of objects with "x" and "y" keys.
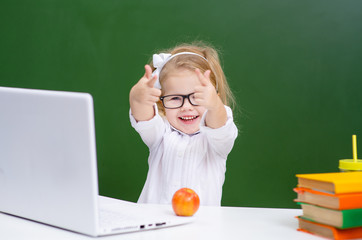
[{"x": 294, "y": 66}]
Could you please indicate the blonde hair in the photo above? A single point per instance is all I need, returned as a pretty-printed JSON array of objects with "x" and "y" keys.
[{"x": 191, "y": 62}]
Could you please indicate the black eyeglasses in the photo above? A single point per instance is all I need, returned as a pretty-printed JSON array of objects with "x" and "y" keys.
[{"x": 177, "y": 101}]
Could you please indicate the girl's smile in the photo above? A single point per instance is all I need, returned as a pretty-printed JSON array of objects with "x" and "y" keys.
[{"x": 188, "y": 119}]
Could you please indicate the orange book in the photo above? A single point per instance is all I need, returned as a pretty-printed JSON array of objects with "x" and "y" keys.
[
  {"x": 328, "y": 231},
  {"x": 334, "y": 201},
  {"x": 335, "y": 183}
]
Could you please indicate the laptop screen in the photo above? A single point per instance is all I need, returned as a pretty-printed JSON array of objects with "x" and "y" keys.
[{"x": 48, "y": 168}]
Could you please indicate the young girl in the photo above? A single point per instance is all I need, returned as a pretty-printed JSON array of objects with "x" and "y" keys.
[{"x": 179, "y": 107}]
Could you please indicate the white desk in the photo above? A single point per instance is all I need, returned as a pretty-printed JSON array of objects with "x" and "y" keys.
[{"x": 210, "y": 223}]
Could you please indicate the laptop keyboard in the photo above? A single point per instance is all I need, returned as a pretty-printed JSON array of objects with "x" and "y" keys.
[
  {"x": 117, "y": 216},
  {"x": 114, "y": 220}
]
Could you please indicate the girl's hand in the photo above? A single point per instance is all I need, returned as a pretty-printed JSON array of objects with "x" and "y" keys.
[
  {"x": 206, "y": 95},
  {"x": 144, "y": 92},
  {"x": 143, "y": 96}
]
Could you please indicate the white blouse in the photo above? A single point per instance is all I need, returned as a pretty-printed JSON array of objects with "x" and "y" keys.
[{"x": 178, "y": 160}]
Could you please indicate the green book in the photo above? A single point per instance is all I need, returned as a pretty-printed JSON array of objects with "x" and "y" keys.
[{"x": 337, "y": 218}]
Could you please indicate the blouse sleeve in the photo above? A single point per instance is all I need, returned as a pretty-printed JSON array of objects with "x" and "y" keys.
[
  {"x": 222, "y": 139},
  {"x": 151, "y": 131}
]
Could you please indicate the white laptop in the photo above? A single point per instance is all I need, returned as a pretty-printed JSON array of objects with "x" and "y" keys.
[{"x": 48, "y": 167}]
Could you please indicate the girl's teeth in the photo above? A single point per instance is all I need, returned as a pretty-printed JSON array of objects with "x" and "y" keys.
[{"x": 187, "y": 118}]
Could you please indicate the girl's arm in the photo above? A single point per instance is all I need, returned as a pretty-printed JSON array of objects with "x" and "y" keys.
[
  {"x": 143, "y": 96},
  {"x": 221, "y": 140},
  {"x": 206, "y": 96}
]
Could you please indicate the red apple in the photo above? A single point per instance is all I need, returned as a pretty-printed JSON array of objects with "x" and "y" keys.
[{"x": 185, "y": 202}]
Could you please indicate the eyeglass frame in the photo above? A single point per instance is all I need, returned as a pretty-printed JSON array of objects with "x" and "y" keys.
[{"x": 183, "y": 100}]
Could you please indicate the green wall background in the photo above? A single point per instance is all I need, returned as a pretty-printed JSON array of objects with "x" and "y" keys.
[{"x": 294, "y": 66}]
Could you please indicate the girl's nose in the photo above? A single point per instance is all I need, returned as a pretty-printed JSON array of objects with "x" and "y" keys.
[{"x": 187, "y": 105}]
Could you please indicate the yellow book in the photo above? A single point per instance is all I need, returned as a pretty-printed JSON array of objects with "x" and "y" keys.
[{"x": 340, "y": 182}]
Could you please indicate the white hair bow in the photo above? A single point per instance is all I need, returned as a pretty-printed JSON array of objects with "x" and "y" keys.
[{"x": 159, "y": 61}]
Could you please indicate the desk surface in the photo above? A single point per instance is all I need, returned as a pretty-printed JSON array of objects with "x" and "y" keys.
[{"x": 210, "y": 223}]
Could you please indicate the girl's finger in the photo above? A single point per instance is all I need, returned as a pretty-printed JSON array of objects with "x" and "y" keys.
[
  {"x": 154, "y": 99},
  {"x": 204, "y": 78},
  {"x": 156, "y": 92},
  {"x": 152, "y": 80},
  {"x": 198, "y": 96},
  {"x": 199, "y": 89},
  {"x": 148, "y": 71},
  {"x": 204, "y": 81},
  {"x": 207, "y": 74}
]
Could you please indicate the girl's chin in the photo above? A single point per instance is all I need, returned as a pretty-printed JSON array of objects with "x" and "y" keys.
[
  {"x": 189, "y": 127},
  {"x": 190, "y": 131}
]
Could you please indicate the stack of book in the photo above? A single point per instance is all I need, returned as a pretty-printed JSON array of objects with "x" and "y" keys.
[{"x": 331, "y": 203}]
